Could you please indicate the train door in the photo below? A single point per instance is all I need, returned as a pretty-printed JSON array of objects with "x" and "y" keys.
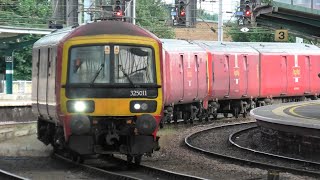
[
  {"x": 202, "y": 75},
  {"x": 174, "y": 73},
  {"x": 245, "y": 76},
  {"x": 284, "y": 75},
  {"x": 307, "y": 75},
  {"x": 51, "y": 95},
  {"x": 234, "y": 75},
  {"x": 196, "y": 69},
  {"x": 35, "y": 80},
  {"x": 47, "y": 80},
  {"x": 182, "y": 72},
  {"x": 221, "y": 76},
  {"x": 42, "y": 80},
  {"x": 314, "y": 70}
]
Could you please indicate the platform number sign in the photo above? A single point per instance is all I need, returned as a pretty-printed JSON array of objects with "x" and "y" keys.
[
  {"x": 281, "y": 35},
  {"x": 8, "y": 58}
]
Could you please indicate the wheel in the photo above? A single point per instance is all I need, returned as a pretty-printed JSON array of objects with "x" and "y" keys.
[
  {"x": 77, "y": 159},
  {"x": 129, "y": 159},
  {"x": 225, "y": 115},
  {"x": 236, "y": 112},
  {"x": 245, "y": 114},
  {"x": 215, "y": 116},
  {"x": 137, "y": 159}
]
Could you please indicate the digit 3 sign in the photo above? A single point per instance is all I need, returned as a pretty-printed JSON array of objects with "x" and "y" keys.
[{"x": 281, "y": 35}]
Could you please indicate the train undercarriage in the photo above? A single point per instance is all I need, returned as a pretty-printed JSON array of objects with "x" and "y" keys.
[
  {"x": 101, "y": 136},
  {"x": 191, "y": 112}
]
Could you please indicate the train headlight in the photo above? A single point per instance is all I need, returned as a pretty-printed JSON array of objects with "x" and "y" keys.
[
  {"x": 79, "y": 106},
  {"x": 85, "y": 106},
  {"x": 136, "y": 106},
  {"x": 143, "y": 106}
]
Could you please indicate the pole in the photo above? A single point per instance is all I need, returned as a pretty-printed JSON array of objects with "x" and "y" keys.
[
  {"x": 9, "y": 73},
  {"x": 220, "y": 23},
  {"x": 133, "y": 11}
]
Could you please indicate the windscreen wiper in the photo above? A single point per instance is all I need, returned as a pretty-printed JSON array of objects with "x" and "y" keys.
[
  {"x": 126, "y": 75},
  {"x": 97, "y": 73}
]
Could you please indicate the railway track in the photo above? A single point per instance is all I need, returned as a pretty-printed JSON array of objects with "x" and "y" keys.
[
  {"x": 9, "y": 176},
  {"x": 223, "y": 148},
  {"x": 233, "y": 140},
  {"x": 120, "y": 170}
]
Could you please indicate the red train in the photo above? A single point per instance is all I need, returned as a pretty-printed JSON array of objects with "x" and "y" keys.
[
  {"x": 104, "y": 87},
  {"x": 204, "y": 78}
]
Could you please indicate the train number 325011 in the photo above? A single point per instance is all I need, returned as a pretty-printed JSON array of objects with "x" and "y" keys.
[{"x": 136, "y": 93}]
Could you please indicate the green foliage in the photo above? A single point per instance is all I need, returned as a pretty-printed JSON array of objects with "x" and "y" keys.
[
  {"x": 29, "y": 13},
  {"x": 152, "y": 16},
  {"x": 22, "y": 64},
  {"x": 255, "y": 34},
  {"x": 206, "y": 16},
  {"x": 26, "y": 13}
]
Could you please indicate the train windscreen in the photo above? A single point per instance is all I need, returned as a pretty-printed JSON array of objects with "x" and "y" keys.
[{"x": 111, "y": 64}]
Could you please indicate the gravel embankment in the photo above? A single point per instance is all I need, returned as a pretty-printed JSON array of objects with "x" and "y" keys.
[
  {"x": 175, "y": 156},
  {"x": 27, "y": 157}
]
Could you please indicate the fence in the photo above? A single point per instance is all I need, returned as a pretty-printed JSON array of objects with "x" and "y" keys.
[{"x": 18, "y": 87}]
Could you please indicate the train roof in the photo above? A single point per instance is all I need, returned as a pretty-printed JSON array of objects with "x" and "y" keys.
[
  {"x": 180, "y": 45},
  {"x": 293, "y": 48},
  {"x": 228, "y": 47},
  {"x": 93, "y": 29}
]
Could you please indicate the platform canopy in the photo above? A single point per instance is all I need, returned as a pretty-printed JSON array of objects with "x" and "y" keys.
[{"x": 12, "y": 38}]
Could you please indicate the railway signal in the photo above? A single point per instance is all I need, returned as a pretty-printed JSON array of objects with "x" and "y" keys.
[
  {"x": 248, "y": 9},
  {"x": 182, "y": 12},
  {"x": 118, "y": 12}
]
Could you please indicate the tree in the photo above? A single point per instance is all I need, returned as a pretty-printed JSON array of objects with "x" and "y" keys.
[
  {"x": 31, "y": 13},
  {"x": 152, "y": 15},
  {"x": 27, "y": 13}
]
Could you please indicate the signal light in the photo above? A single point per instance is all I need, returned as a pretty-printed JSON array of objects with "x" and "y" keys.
[
  {"x": 248, "y": 13},
  {"x": 182, "y": 13},
  {"x": 118, "y": 13},
  {"x": 182, "y": 9},
  {"x": 248, "y": 9}
]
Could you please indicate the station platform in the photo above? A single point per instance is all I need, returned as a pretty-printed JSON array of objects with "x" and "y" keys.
[
  {"x": 12, "y": 100},
  {"x": 299, "y": 118}
]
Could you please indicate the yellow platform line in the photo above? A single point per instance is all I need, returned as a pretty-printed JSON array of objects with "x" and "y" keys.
[{"x": 280, "y": 110}]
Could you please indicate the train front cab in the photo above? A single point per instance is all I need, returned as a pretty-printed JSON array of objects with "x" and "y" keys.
[
  {"x": 111, "y": 94},
  {"x": 106, "y": 91}
]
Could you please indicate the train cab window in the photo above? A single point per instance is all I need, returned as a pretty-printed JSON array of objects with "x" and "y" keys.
[
  {"x": 90, "y": 64},
  {"x": 111, "y": 64},
  {"x": 134, "y": 65}
]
